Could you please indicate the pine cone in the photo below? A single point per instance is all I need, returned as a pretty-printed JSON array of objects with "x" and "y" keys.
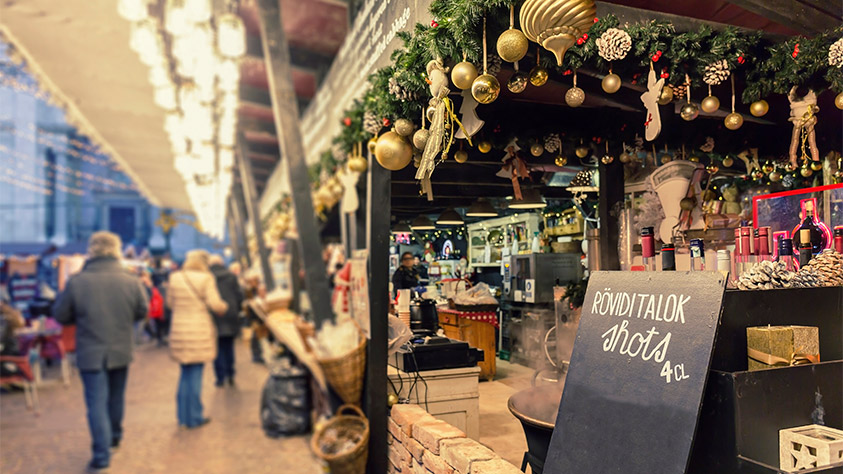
[
  {"x": 716, "y": 72},
  {"x": 614, "y": 44},
  {"x": 338, "y": 153},
  {"x": 835, "y": 54},
  {"x": 399, "y": 91},
  {"x": 552, "y": 143},
  {"x": 679, "y": 90},
  {"x": 493, "y": 63},
  {"x": 371, "y": 123}
]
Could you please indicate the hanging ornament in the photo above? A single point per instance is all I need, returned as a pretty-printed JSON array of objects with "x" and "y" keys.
[
  {"x": 536, "y": 149},
  {"x": 758, "y": 174},
  {"x": 665, "y": 95},
  {"x": 486, "y": 88},
  {"x": 582, "y": 151},
  {"x": 421, "y": 135},
  {"x": 679, "y": 90},
  {"x": 716, "y": 72},
  {"x": 495, "y": 63},
  {"x": 552, "y": 143},
  {"x": 463, "y": 74},
  {"x": 712, "y": 169},
  {"x": 759, "y": 108},
  {"x": 575, "y": 96},
  {"x": 471, "y": 123},
  {"x": 517, "y": 83},
  {"x": 560, "y": 161},
  {"x": 710, "y": 103},
  {"x": 611, "y": 83},
  {"x": 538, "y": 75},
  {"x": 607, "y": 159},
  {"x": 372, "y": 143},
  {"x": 429, "y": 113},
  {"x": 838, "y": 101},
  {"x": 404, "y": 127},
  {"x": 803, "y": 115},
  {"x": 614, "y": 44},
  {"x": 392, "y": 151},
  {"x": 775, "y": 176},
  {"x": 625, "y": 157},
  {"x": 734, "y": 120},
  {"x": 512, "y": 44},
  {"x": 556, "y": 24},
  {"x": 689, "y": 111},
  {"x": 484, "y": 146},
  {"x": 371, "y": 123},
  {"x": 790, "y": 167},
  {"x": 687, "y": 203},
  {"x": 400, "y": 92},
  {"x": 665, "y": 157},
  {"x": 806, "y": 171},
  {"x": 650, "y": 98},
  {"x": 728, "y": 161},
  {"x": 461, "y": 156},
  {"x": 356, "y": 162},
  {"x": 817, "y": 165},
  {"x": 694, "y": 159},
  {"x": 768, "y": 167},
  {"x": 835, "y": 54}
]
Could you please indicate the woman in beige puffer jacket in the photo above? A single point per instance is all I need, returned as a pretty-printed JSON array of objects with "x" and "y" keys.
[{"x": 192, "y": 295}]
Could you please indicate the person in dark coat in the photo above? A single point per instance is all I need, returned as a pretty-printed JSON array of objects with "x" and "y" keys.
[
  {"x": 406, "y": 277},
  {"x": 228, "y": 325},
  {"x": 104, "y": 300}
]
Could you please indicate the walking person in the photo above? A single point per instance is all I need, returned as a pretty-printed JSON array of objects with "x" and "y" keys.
[
  {"x": 104, "y": 300},
  {"x": 192, "y": 294},
  {"x": 228, "y": 325}
]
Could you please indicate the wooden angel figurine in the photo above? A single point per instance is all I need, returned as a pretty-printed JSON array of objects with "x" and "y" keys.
[
  {"x": 653, "y": 124},
  {"x": 803, "y": 115}
]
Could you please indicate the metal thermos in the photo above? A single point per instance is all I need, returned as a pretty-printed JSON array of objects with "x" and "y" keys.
[{"x": 592, "y": 237}]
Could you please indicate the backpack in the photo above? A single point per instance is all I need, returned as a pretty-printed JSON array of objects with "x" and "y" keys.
[{"x": 156, "y": 304}]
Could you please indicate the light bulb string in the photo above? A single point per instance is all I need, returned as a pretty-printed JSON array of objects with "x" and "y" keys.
[{"x": 485, "y": 54}]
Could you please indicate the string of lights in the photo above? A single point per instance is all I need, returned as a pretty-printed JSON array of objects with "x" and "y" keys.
[
  {"x": 61, "y": 170},
  {"x": 61, "y": 143}
]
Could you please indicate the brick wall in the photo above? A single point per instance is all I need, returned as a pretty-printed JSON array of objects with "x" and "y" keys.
[{"x": 421, "y": 444}]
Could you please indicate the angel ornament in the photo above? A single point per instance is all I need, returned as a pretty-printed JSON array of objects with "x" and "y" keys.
[
  {"x": 803, "y": 115},
  {"x": 653, "y": 124}
]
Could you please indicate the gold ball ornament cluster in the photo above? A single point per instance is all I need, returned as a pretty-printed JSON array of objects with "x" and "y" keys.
[
  {"x": 485, "y": 89},
  {"x": 484, "y": 146},
  {"x": 536, "y": 149},
  {"x": 518, "y": 82},
  {"x": 712, "y": 169},
  {"x": 461, "y": 156},
  {"x": 689, "y": 112},
  {"x": 463, "y": 75},
  {"x": 790, "y": 167},
  {"x": 666, "y": 158},
  {"x": 775, "y": 176},
  {"x": 733, "y": 121},
  {"x": 582, "y": 151},
  {"x": 574, "y": 97},
  {"x": 538, "y": 76},
  {"x": 665, "y": 96},
  {"x": 371, "y": 144},
  {"x": 607, "y": 159},
  {"x": 393, "y": 152},
  {"x": 420, "y": 138},
  {"x": 817, "y": 165},
  {"x": 404, "y": 127},
  {"x": 806, "y": 171},
  {"x": 757, "y": 174},
  {"x": 611, "y": 83},
  {"x": 391, "y": 399},
  {"x": 768, "y": 167},
  {"x": 759, "y": 108},
  {"x": 561, "y": 160},
  {"x": 710, "y": 104},
  {"x": 728, "y": 161},
  {"x": 512, "y": 45},
  {"x": 358, "y": 164}
]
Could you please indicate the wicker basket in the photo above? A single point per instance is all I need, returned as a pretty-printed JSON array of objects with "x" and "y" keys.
[
  {"x": 345, "y": 374},
  {"x": 343, "y": 443}
]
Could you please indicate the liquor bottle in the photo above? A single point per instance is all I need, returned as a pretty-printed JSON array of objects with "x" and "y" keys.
[
  {"x": 535, "y": 247},
  {"x": 648, "y": 249},
  {"x": 698, "y": 255},
  {"x": 786, "y": 254},
  {"x": 737, "y": 263},
  {"x": 755, "y": 256},
  {"x": 816, "y": 236},
  {"x": 764, "y": 244},
  {"x": 838, "y": 239},
  {"x": 668, "y": 257},
  {"x": 806, "y": 247}
]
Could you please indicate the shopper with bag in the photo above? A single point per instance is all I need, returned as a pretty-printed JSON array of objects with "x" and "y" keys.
[
  {"x": 195, "y": 301},
  {"x": 156, "y": 314},
  {"x": 228, "y": 325}
]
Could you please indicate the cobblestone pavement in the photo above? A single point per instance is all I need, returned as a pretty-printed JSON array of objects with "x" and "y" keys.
[{"x": 57, "y": 441}]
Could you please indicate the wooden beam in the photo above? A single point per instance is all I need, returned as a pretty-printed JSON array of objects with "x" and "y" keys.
[
  {"x": 805, "y": 17},
  {"x": 250, "y": 194},
  {"x": 263, "y": 157},
  {"x": 285, "y": 111},
  {"x": 236, "y": 205}
]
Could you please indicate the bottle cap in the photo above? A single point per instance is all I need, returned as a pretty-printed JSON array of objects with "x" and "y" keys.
[
  {"x": 723, "y": 255},
  {"x": 699, "y": 243},
  {"x": 668, "y": 246},
  {"x": 746, "y": 231},
  {"x": 785, "y": 247},
  {"x": 647, "y": 231},
  {"x": 838, "y": 230},
  {"x": 763, "y": 231}
]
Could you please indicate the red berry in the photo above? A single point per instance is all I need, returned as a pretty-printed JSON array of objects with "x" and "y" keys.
[
  {"x": 567, "y": 72},
  {"x": 434, "y": 24},
  {"x": 580, "y": 41},
  {"x": 655, "y": 58},
  {"x": 347, "y": 121},
  {"x": 585, "y": 36},
  {"x": 665, "y": 75},
  {"x": 385, "y": 122},
  {"x": 596, "y": 20}
]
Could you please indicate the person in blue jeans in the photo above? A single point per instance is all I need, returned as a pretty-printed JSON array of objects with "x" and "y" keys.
[
  {"x": 193, "y": 296},
  {"x": 104, "y": 301},
  {"x": 228, "y": 325}
]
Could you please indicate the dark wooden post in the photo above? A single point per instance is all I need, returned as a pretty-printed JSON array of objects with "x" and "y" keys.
[
  {"x": 378, "y": 210},
  {"x": 285, "y": 110},
  {"x": 611, "y": 200},
  {"x": 250, "y": 195},
  {"x": 236, "y": 209}
]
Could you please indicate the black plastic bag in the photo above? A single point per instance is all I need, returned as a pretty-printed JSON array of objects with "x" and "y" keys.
[{"x": 286, "y": 401}]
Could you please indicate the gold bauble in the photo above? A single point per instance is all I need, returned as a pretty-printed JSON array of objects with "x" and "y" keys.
[
  {"x": 461, "y": 156},
  {"x": 538, "y": 76},
  {"x": 687, "y": 203},
  {"x": 625, "y": 158},
  {"x": 611, "y": 83},
  {"x": 582, "y": 151},
  {"x": 485, "y": 89},
  {"x": 358, "y": 164},
  {"x": 574, "y": 97},
  {"x": 429, "y": 113},
  {"x": 710, "y": 104},
  {"x": 607, "y": 159},
  {"x": 404, "y": 127},
  {"x": 536, "y": 149},
  {"x": 420, "y": 138},
  {"x": 806, "y": 171},
  {"x": 666, "y": 158},
  {"x": 817, "y": 165},
  {"x": 694, "y": 159},
  {"x": 733, "y": 121},
  {"x": 790, "y": 167},
  {"x": 775, "y": 176},
  {"x": 557, "y": 24},
  {"x": 768, "y": 167},
  {"x": 561, "y": 160},
  {"x": 393, "y": 152},
  {"x": 712, "y": 169},
  {"x": 463, "y": 74},
  {"x": 484, "y": 146},
  {"x": 689, "y": 112},
  {"x": 728, "y": 161},
  {"x": 838, "y": 101},
  {"x": 758, "y": 174},
  {"x": 371, "y": 145},
  {"x": 391, "y": 399},
  {"x": 416, "y": 162},
  {"x": 512, "y": 45},
  {"x": 518, "y": 82},
  {"x": 759, "y": 108},
  {"x": 665, "y": 96}
]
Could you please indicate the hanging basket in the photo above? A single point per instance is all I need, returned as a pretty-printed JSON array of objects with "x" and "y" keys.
[
  {"x": 343, "y": 443},
  {"x": 345, "y": 373}
]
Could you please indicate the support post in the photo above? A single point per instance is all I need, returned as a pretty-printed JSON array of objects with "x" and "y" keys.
[
  {"x": 610, "y": 202},
  {"x": 377, "y": 239},
  {"x": 250, "y": 195},
  {"x": 237, "y": 206},
  {"x": 233, "y": 238},
  {"x": 285, "y": 110}
]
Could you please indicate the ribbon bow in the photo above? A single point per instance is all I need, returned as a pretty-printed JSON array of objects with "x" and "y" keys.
[{"x": 775, "y": 361}]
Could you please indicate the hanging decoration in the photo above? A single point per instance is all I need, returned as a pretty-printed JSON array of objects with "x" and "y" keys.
[
  {"x": 350, "y": 201},
  {"x": 536, "y": 149},
  {"x": 356, "y": 162},
  {"x": 485, "y": 88},
  {"x": 560, "y": 161},
  {"x": 689, "y": 111},
  {"x": 665, "y": 95},
  {"x": 484, "y": 146},
  {"x": 517, "y": 83},
  {"x": 421, "y": 135},
  {"x": 716, "y": 72},
  {"x": 575, "y": 96},
  {"x": 613, "y": 45},
  {"x": 463, "y": 74},
  {"x": 650, "y": 98},
  {"x": 371, "y": 124},
  {"x": 759, "y": 108},
  {"x": 803, "y": 115},
  {"x": 710, "y": 104},
  {"x": 552, "y": 143},
  {"x": 607, "y": 159},
  {"x": 471, "y": 123},
  {"x": 734, "y": 120},
  {"x": 461, "y": 156},
  {"x": 556, "y": 24},
  {"x": 538, "y": 75},
  {"x": 514, "y": 168},
  {"x": 404, "y": 127},
  {"x": 512, "y": 44},
  {"x": 392, "y": 151},
  {"x": 835, "y": 54},
  {"x": 495, "y": 63}
]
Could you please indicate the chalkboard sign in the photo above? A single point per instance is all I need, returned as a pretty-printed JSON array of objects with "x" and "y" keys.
[{"x": 635, "y": 384}]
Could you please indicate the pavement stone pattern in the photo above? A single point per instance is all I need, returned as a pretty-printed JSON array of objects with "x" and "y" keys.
[{"x": 57, "y": 441}]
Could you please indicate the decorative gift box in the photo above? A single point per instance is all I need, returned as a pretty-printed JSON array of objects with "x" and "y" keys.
[
  {"x": 781, "y": 346},
  {"x": 807, "y": 447}
]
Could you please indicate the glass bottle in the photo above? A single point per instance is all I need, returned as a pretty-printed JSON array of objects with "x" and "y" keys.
[
  {"x": 724, "y": 262},
  {"x": 786, "y": 254},
  {"x": 668, "y": 257},
  {"x": 806, "y": 247},
  {"x": 737, "y": 262},
  {"x": 815, "y": 234},
  {"x": 755, "y": 255},
  {"x": 535, "y": 247},
  {"x": 648, "y": 249},
  {"x": 698, "y": 255},
  {"x": 838, "y": 239},
  {"x": 764, "y": 244}
]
